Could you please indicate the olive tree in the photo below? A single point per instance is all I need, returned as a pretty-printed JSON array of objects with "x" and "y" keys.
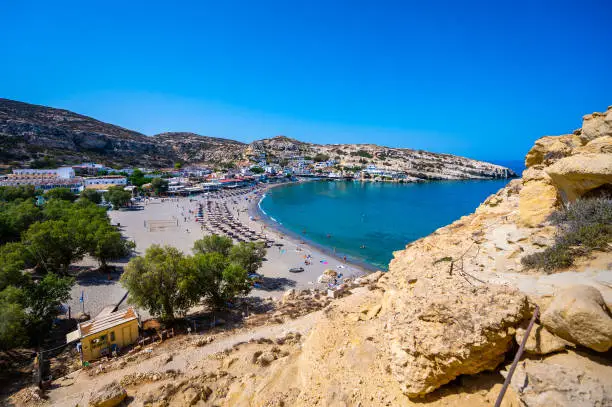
[{"x": 161, "y": 281}]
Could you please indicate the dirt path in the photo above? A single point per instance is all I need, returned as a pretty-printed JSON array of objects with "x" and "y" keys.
[{"x": 76, "y": 388}]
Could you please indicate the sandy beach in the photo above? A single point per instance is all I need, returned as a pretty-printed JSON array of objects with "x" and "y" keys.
[{"x": 172, "y": 221}]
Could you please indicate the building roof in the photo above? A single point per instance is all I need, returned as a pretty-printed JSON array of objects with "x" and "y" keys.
[{"x": 104, "y": 322}]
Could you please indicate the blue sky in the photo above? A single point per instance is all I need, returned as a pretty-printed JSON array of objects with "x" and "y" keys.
[{"x": 481, "y": 79}]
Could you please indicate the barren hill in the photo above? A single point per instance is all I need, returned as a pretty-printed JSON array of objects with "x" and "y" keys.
[
  {"x": 30, "y": 131},
  {"x": 415, "y": 163},
  {"x": 194, "y": 148}
]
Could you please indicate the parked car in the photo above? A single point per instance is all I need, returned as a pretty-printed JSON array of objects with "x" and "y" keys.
[{"x": 296, "y": 269}]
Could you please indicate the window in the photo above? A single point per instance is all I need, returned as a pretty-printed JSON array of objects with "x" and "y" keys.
[
  {"x": 98, "y": 342},
  {"x": 112, "y": 336}
]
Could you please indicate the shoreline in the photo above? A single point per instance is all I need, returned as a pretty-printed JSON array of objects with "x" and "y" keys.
[{"x": 255, "y": 210}]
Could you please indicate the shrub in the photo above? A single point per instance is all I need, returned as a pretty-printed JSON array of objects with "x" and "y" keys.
[
  {"x": 585, "y": 226},
  {"x": 361, "y": 153},
  {"x": 320, "y": 157}
]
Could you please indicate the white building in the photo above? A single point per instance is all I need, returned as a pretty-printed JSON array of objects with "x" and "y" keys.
[
  {"x": 106, "y": 180},
  {"x": 61, "y": 172}
]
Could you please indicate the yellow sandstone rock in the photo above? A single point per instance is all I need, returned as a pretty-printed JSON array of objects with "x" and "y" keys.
[
  {"x": 575, "y": 176},
  {"x": 538, "y": 199},
  {"x": 597, "y": 124},
  {"x": 548, "y": 149},
  {"x": 599, "y": 145}
]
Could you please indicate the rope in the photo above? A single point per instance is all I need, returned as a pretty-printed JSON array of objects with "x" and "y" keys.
[{"x": 517, "y": 357}]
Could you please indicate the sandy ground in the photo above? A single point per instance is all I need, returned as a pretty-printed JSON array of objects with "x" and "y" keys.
[
  {"x": 181, "y": 230},
  {"x": 76, "y": 388}
]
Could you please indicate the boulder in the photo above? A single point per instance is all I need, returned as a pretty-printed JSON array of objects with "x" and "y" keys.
[
  {"x": 538, "y": 199},
  {"x": 371, "y": 278},
  {"x": 579, "y": 314},
  {"x": 288, "y": 295},
  {"x": 597, "y": 125},
  {"x": 265, "y": 358},
  {"x": 441, "y": 331},
  {"x": 109, "y": 395},
  {"x": 540, "y": 341},
  {"x": 599, "y": 145},
  {"x": 566, "y": 380},
  {"x": 191, "y": 396},
  {"x": 547, "y": 150},
  {"x": 574, "y": 176}
]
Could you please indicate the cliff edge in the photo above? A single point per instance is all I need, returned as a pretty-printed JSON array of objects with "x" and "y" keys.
[{"x": 454, "y": 305}]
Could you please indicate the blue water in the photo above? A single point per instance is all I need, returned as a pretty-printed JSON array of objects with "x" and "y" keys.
[{"x": 383, "y": 217}]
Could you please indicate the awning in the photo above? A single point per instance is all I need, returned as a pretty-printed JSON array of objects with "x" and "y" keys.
[{"x": 73, "y": 336}]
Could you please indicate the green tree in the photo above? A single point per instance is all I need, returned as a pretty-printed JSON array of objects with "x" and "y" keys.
[
  {"x": 161, "y": 282},
  {"x": 320, "y": 157},
  {"x": 213, "y": 244},
  {"x": 218, "y": 280},
  {"x": 43, "y": 300},
  {"x": 60, "y": 193},
  {"x": 13, "y": 260},
  {"x": 117, "y": 196},
  {"x": 159, "y": 186},
  {"x": 45, "y": 162},
  {"x": 91, "y": 195},
  {"x": 16, "y": 217},
  {"x": 178, "y": 166},
  {"x": 57, "y": 209},
  {"x": 55, "y": 244},
  {"x": 25, "y": 192},
  {"x": 107, "y": 244},
  {"x": 138, "y": 178},
  {"x": 257, "y": 170},
  {"x": 248, "y": 255},
  {"x": 13, "y": 321}
]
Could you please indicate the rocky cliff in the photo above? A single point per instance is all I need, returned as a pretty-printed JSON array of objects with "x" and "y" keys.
[
  {"x": 30, "y": 131},
  {"x": 193, "y": 148},
  {"x": 455, "y": 305},
  {"x": 417, "y": 164}
]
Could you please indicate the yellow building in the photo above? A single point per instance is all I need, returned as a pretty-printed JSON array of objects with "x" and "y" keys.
[{"x": 107, "y": 332}]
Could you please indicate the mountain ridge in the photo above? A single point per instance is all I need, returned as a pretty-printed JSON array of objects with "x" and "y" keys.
[{"x": 29, "y": 131}]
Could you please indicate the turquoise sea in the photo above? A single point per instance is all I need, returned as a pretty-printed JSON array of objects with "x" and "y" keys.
[{"x": 368, "y": 221}]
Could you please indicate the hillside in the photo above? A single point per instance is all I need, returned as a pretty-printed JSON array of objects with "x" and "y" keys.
[
  {"x": 28, "y": 132},
  {"x": 417, "y": 164},
  {"x": 193, "y": 148}
]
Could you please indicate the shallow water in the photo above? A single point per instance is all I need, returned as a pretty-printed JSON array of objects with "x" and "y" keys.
[{"x": 368, "y": 221}]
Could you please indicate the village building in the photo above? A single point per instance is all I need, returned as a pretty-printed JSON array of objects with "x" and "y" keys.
[
  {"x": 42, "y": 181},
  {"x": 108, "y": 332},
  {"x": 106, "y": 180},
  {"x": 61, "y": 172}
]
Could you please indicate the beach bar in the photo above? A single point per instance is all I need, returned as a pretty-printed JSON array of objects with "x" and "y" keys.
[{"x": 107, "y": 332}]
